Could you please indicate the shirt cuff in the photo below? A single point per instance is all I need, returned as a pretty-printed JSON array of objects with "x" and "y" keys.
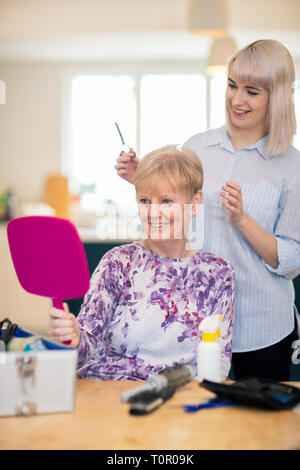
[{"x": 289, "y": 259}]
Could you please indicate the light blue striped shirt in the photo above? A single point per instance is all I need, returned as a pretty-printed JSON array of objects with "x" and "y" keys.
[{"x": 264, "y": 311}]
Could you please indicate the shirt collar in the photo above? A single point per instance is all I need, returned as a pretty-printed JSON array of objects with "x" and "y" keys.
[{"x": 220, "y": 137}]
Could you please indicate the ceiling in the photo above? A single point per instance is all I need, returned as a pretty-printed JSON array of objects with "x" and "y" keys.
[{"x": 93, "y": 30}]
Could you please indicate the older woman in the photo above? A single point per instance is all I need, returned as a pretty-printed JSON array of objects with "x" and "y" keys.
[{"x": 147, "y": 298}]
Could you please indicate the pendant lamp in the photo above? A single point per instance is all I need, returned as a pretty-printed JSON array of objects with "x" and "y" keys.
[
  {"x": 208, "y": 17},
  {"x": 221, "y": 51}
]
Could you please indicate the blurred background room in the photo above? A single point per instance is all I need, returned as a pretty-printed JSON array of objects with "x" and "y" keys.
[{"x": 70, "y": 69}]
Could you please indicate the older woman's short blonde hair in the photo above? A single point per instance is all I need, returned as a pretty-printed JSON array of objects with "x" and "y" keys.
[
  {"x": 268, "y": 64},
  {"x": 180, "y": 167}
]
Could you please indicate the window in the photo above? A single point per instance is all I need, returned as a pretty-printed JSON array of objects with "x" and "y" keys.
[
  {"x": 171, "y": 107},
  {"x": 218, "y": 85},
  {"x": 97, "y": 103}
]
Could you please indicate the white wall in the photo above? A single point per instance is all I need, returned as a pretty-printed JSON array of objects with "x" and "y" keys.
[{"x": 29, "y": 126}]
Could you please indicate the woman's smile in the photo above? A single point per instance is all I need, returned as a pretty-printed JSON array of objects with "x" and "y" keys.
[
  {"x": 158, "y": 225},
  {"x": 240, "y": 113},
  {"x": 159, "y": 229}
]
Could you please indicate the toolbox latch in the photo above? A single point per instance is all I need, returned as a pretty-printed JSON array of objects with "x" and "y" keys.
[{"x": 26, "y": 365}]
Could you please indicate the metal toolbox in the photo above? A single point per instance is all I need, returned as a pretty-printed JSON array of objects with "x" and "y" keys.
[{"x": 37, "y": 382}]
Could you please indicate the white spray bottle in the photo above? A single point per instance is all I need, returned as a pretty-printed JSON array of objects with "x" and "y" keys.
[{"x": 209, "y": 351}]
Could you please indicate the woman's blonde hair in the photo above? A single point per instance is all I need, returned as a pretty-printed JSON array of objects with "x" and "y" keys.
[
  {"x": 268, "y": 64},
  {"x": 181, "y": 167}
]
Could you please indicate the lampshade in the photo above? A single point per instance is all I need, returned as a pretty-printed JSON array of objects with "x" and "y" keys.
[
  {"x": 208, "y": 17},
  {"x": 221, "y": 51}
]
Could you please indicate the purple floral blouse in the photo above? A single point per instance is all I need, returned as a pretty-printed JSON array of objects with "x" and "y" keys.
[{"x": 142, "y": 312}]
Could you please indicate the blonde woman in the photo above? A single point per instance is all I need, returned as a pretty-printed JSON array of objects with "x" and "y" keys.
[
  {"x": 252, "y": 204},
  {"x": 147, "y": 298}
]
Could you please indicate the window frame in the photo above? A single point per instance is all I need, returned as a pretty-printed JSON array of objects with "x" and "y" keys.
[{"x": 137, "y": 70}]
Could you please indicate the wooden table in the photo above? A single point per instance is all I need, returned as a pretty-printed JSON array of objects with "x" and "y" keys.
[{"x": 101, "y": 421}]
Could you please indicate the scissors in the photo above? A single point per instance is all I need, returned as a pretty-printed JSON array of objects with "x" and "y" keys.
[{"x": 125, "y": 147}]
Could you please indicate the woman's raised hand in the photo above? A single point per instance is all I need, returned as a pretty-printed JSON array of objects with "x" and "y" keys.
[
  {"x": 232, "y": 193},
  {"x": 126, "y": 165},
  {"x": 63, "y": 326}
]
